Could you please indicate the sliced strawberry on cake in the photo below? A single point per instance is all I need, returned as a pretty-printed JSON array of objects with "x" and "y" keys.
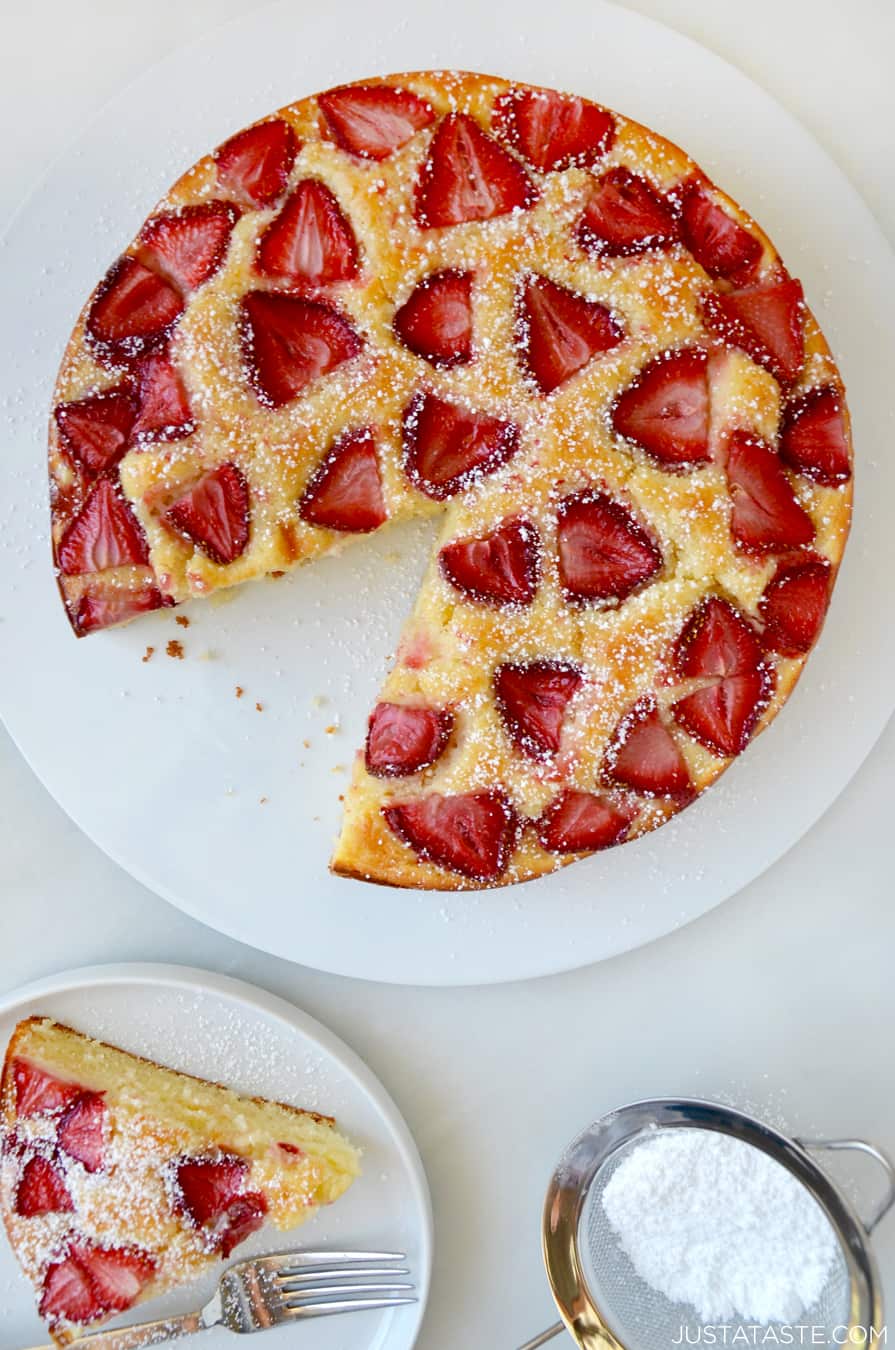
[{"x": 120, "y": 1179}]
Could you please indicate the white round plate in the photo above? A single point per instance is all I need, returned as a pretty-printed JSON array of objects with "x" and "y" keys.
[
  {"x": 231, "y": 1032},
  {"x": 230, "y": 813}
]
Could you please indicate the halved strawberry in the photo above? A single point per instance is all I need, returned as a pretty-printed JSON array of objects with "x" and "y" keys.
[
  {"x": 813, "y": 439},
  {"x": 310, "y": 241},
  {"x": 289, "y": 341},
  {"x": 94, "y": 431},
  {"x": 666, "y": 410},
  {"x": 446, "y": 448},
  {"x": 402, "y": 739},
  {"x": 719, "y": 243},
  {"x": 81, "y": 1128},
  {"x": 215, "y": 514},
  {"x": 106, "y": 605},
  {"x": 436, "y": 321},
  {"x": 625, "y": 215},
  {"x": 717, "y": 643},
  {"x": 245, "y": 1216},
  {"x": 373, "y": 120},
  {"x": 117, "y": 1275},
  {"x": 206, "y": 1187},
  {"x": 468, "y": 176},
  {"x": 345, "y": 492},
  {"x": 604, "y": 554},
  {"x": 188, "y": 245},
  {"x": 472, "y": 833},
  {"x": 767, "y": 321},
  {"x": 38, "y": 1093},
  {"x": 164, "y": 406},
  {"x": 104, "y": 533},
  {"x": 765, "y": 514},
  {"x": 561, "y": 331},
  {"x": 552, "y": 130},
  {"x": 256, "y": 163},
  {"x": 532, "y": 701},
  {"x": 722, "y": 716},
  {"x": 579, "y": 822},
  {"x": 68, "y": 1294},
  {"x": 132, "y": 311},
  {"x": 502, "y": 568},
  {"x": 41, "y": 1190},
  {"x": 716, "y": 640},
  {"x": 794, "y": 604},
  {"x": 643, "y": 755}
]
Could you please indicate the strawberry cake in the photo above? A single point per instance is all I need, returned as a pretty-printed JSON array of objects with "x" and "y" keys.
[
  {"x": 120, "y": 1179},
  {"x": 447, "y": 294}
]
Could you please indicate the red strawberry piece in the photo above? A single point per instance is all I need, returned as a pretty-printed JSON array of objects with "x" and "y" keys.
[
  {"x": 116, "y": 1274},
  {"x": 403, "y": 739},
  {"x": 244, "y": 1216},
  {"x": 80, "y": 1133},
  {"x": 215, "y": 514},
  {"x": 767, "y": 321},
  {"x": 373, "y": 120},
  {"x": 794, "y": 605},
  {"x": 289, "y": 341},
  {"x": 105, "y": 606},
  {"x": 132, "y": 311},
  {"x": 206, "y": 1187},
  {"x": 716, "y": 641},
  {"x": 446, "y": 447},
  {"x": 502, "y": 568},
  {"x": 188, "y": 245},
  {"x": 105, "y": 533},
  {"x": 552, "y": 130},
  {"x": 38, "y": 1093},
  {"x": 643, "y": 754},
  {"x": 69, "y": 1295},
  {"x": 436, "y": 321},
  {"x": 468, "y": 176},
  {"x": 765, "y": 515},
  {"x": 94, "y": 431},
  {"x": 256, "y": 163},
  {"x": 345, "y": 493},
  {"x": 813, "y": 439},
  {"x": 722, "y": 716},
  {"x": 625, "y": 215},
  {"x": 666, "y": 410},
  {"x": 604, "y": 554},
  {"x": 41, "y": 1190},
  {"x": 718, "y": 242},
  {"x": 472, "y": 833},
  {"x": 164, "y": 411},
  {"x": 310, "y": 240},
  {"x": 561, "y": 331},
  {"x": 579, "y": 822},
  {"x": 532, "y": 701}
]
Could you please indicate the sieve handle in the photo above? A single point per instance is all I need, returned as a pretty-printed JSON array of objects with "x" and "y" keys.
[
  {"x": 861, "y": 1146},
  {"x": 544, "y": 1337}
]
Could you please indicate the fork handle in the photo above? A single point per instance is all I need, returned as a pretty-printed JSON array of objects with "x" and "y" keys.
[{"x": 146, "y": 1333}]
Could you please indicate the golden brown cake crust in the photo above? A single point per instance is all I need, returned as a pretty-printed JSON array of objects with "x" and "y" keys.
[{"x": 566, "y": 437}]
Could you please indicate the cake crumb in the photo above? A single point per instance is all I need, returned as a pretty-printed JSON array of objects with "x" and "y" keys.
[
  {"x": 182, "y": 620},
  {"x": 306, "y": 743},
  {"x": 239, "y": 691},
  {"x": 259, "y": 707},
  {"x": 332, "y": 728},
  {"x": 262, "y": 801},
  {"x": 148, "y": 654},
  {"x": 175, "y": 649}
]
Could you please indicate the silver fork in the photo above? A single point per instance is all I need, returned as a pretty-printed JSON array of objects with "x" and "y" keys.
[{"x": 270, "y": 1291}]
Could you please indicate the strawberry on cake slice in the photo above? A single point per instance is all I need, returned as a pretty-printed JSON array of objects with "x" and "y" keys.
[
  {"x": 443, "y": 293},
  {"x": 120, "y": 1178}
]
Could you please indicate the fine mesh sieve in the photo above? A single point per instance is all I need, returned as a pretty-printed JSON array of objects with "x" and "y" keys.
[{"x": 605, "y": 1303}]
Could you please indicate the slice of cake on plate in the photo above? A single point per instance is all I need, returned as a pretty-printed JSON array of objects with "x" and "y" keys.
[{"x": 120, "y": 1178}]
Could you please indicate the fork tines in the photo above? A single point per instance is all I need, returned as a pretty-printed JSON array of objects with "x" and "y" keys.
[{"x": 314, "y": 1284}]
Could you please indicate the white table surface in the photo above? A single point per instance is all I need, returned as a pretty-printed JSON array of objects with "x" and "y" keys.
[{"x": 781, "y": 1001}]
